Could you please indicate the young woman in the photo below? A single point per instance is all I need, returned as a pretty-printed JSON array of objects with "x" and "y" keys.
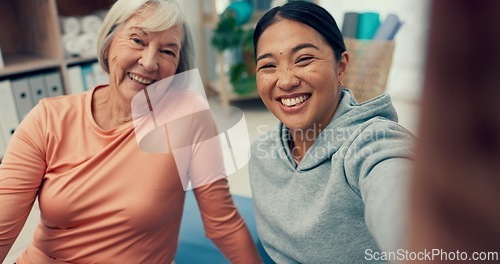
[{"x": 329, "y": 184}]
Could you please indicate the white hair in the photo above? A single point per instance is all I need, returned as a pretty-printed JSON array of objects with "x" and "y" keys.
[{"x": 162, "y": 14}]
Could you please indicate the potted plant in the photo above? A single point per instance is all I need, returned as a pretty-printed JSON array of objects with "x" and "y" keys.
[
  {"x": 229, "y": 35},
  {"x": 242, "y": 74}
]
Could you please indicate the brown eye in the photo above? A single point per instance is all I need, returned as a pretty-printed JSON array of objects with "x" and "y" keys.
[
  {"x": 170, "y": 53},
  {"x": 137, "y": 40},
  {"x": 304, "y": 59},
  {"x": 267, "y": 66}
]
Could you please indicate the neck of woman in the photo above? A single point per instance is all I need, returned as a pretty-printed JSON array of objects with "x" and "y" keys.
[
  {"x": 301, "y": 141},
  {"x": 109, "y": 111}
]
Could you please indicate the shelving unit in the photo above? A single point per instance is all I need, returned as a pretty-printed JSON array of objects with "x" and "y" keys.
[{"x": 30, "y": 36}]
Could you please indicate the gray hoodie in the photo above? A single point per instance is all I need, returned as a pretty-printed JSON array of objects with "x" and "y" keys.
[{"x": 345, "y": 200}]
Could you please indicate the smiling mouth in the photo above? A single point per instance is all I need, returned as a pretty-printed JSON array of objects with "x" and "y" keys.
[
  {"x": 290, "y": 102},
  {"x": 141, "y": 80}
]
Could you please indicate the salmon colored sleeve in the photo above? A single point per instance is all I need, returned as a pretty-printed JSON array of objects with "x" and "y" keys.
[
  {"x": 21, "y": 174},
  {"x": 223, "y": 224}
]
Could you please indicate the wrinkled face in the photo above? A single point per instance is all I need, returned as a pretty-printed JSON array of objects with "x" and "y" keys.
[
  {"x": 138, "y": 58},
  {"x": 297, "y": 75}
]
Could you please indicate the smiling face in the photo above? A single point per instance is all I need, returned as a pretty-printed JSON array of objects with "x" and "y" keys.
[
  {"x": 138, "y": 58},
  {"x": 298, "y": 75}
]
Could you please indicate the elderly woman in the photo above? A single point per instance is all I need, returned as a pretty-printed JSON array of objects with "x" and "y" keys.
[
  {"x": 102, "y": 198},
  {"x": 328, "y": 184}
]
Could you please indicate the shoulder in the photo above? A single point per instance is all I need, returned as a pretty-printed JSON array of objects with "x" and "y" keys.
[
  {"x": 64, "y": 102},
  {"x": 379, "y": 128},
  {"x": 55, "y": 110},
  {"x": 371, "y": 119}
]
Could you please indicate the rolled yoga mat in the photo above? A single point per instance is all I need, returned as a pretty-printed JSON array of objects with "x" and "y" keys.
[{"x": 368, "y": 25}]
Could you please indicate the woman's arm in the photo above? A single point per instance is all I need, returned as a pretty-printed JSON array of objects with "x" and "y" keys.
[
  {"x": 21, "y": 174},
  {"x": 224, "y": 225},
  {"x": 380, "y": 169}
]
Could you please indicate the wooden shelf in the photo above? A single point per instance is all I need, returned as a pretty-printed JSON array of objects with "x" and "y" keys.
[
  {"x": 21, "y": 63},
  {"x": 31, "y": 37},
  {"x": 79, "y": 60}
]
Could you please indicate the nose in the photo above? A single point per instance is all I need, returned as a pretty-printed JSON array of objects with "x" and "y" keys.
[
  {"x": 149, "y": 59},
  {"x": 287, "y": 80}
]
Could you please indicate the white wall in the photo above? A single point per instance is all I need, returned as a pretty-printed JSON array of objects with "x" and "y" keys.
[{"x": 406, "y": 75}]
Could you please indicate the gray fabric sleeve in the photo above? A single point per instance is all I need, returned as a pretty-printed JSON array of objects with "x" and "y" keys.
[{"x": 378, "y": 166}]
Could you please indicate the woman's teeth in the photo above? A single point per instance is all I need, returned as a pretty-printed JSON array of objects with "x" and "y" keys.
[
  {"x": 294, "y": 101},
  {"x": 139, "y": 79}
]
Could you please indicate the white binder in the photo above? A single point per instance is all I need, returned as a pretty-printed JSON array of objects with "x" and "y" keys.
[
  {"x": 100, "y": 76},
  {"x": 75, "y": 76},
  {"x": 8, "y": 111},
  {"x": 37, "y": 87},
  {"x": 22, "y": 96},
  {"x": 54, "y": 84},
  {"x": 3, "y": 146}
]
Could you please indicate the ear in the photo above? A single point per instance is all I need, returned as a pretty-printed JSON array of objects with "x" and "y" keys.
[
  {"x": 105, "y": 58},
  {"x": 342, "y": 68}
]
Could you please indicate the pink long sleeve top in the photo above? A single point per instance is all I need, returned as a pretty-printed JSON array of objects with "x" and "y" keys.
[{"x": 102, "y": 199}]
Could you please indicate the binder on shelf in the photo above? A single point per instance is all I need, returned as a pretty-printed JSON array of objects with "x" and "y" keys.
[
  {"x": 100, "y": 76},
  {"x": 22, "y": 96},
  {"x": 9, "y": 119},
  {"x": 75, "y": 79},
  {"x": 87, "y": 76},
  {"x": 3, "y": 145},
  {"x": 37, "y": 87},
  {"x": 54, "y": 84}
]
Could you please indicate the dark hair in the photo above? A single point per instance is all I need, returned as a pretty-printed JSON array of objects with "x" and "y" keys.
[{"x": 306, "y": 13}]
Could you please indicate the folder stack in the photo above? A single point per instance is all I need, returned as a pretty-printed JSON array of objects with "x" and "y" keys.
[{"x": 19, "y": 95}]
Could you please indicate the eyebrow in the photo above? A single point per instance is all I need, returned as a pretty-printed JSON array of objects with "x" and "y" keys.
[
  {"x": 171, "y": 44},
  {"x": 294, "y": 50},
  {"x": 140, "y": 29}
]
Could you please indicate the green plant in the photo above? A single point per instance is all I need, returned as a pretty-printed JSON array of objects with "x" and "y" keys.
[
  {"x": 243, "y": 82},
  {"x": 247, "y": 40},
  {"x": 227, "y": 34}
]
